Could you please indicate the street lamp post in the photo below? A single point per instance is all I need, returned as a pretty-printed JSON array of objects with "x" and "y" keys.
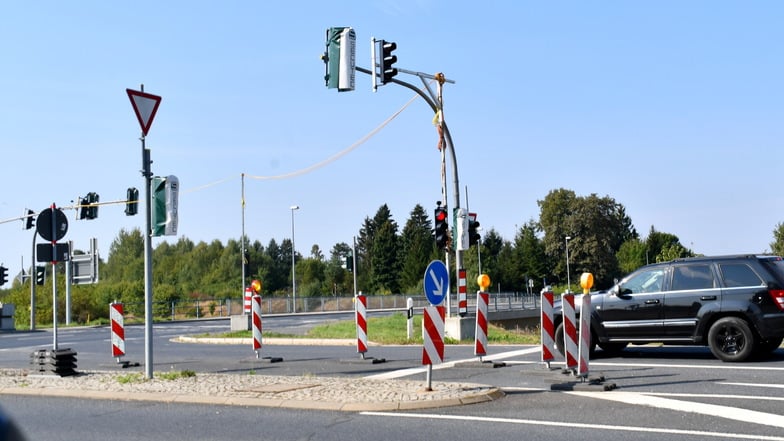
[
  {"x": 568, "y": 278},
  {"x": 293, "y": 262}
]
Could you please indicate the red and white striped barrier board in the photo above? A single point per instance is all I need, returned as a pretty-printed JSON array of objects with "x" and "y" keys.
[
  {"x": 360, "y": 307},
  {"x": 433, "y": 349},
  {"x": 585, "y": 336},
  {"x": 462, "y": 299},
  {"x": 118, "y": 329},
  {"x": 247, "y": 304},
  {"x": 480, "y": 333},
  {"x": 256, "y": 300},
  {"x": 548, "y": 327},
  {"x": 570, "y": 331}
]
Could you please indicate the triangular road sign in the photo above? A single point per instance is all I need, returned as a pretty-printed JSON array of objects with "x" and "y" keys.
[{"x": 144, "y": 105}]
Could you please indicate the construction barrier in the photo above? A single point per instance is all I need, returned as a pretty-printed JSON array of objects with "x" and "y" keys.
[
  {"x": 256, "y": 309},
  {"x": 360, "y": 308},
  {"x": 247, "y": 304},
  {"x": 570, "y": 332},
  {"x": 462, "y": 299},
  {"x": 118, "y": 329},
  {"x": 547, "y": 326},
  {"x": 480, "y": 333},
  {"x": 585, "y": 336},
  {"x": 433, "y": 321}
]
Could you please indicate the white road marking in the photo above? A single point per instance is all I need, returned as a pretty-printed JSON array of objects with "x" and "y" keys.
[
  {"x": 775, "y": 386},
  {"x": 418, "y": 370},
  {"x": 730, "y": 413},
  {"x": 572, "y": 425}
]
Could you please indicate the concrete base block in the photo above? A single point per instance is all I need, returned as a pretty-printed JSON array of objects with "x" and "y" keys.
[
  {"x": 460, "y": 328},
  {"x": 241, "y": 322}
]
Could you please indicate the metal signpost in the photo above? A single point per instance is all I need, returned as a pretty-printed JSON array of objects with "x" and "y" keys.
[
  {"x": 145, "y": 106},
  {"x": 52, "y": 226}
]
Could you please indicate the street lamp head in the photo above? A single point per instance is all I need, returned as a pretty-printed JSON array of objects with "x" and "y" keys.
[
  {"x": 568, "y": 237},
  {"x": 294, "y": 207}
]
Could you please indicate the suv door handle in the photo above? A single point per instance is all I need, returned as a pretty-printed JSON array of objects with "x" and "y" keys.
[
  {"x": 708, "y": 298},
  {"x": 652, "y": 302}
]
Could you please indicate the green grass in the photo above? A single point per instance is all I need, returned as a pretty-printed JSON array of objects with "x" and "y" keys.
[
  {"x": 139, "y": 378},
  {"x": 393, "y": 330}
]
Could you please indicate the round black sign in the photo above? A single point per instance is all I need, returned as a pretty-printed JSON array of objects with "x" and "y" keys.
[{"x": 52, "y": 227}]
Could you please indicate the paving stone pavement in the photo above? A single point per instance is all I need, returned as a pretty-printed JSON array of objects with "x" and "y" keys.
[{"x": 303, "y": 392}]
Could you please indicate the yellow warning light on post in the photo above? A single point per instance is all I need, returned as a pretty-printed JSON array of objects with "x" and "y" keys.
[
  {"x": 586, "y": 281},
  {"x": 255, "y": 286},
  {"x": 483, "y": 280}
]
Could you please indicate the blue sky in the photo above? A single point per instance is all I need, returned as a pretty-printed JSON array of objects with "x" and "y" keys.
[{"x": 672, "y": 108}]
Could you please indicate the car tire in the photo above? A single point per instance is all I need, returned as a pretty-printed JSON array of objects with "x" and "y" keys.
[
  {"x": 730, "y": 339},
  {"x": 559, "y": 340}
]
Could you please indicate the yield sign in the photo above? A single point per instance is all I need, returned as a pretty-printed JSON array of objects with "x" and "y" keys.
[{"x": 145, "y": 105}]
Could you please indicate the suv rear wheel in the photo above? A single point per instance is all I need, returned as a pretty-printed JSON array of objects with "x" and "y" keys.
[
  {"x": 730, "y": 339},
  {"x": 559, "y": 340}
]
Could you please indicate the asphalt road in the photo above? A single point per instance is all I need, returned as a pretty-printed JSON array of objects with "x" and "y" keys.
[{"x": 679, "y": 393}]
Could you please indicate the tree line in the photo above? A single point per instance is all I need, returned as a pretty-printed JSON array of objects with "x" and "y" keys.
[{"x": 389, "y": 260}]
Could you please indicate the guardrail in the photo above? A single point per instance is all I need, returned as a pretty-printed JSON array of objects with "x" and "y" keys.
[{"x": 215, "y": 308}]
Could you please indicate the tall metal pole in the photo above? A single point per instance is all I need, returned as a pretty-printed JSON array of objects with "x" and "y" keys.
[
  {"x": 147, "y": 173},
  {"x": 568, "y": 278},
  {"x": 242, "y": 243},
  {"x": 32, "y": 286},
  {"x": 293, "y": 262}
]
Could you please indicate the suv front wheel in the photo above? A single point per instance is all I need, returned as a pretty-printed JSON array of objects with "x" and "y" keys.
[{"x": 731, "y": 339}]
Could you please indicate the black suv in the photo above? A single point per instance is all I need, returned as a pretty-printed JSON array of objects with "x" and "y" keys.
[{"x": 733, "y": 304}]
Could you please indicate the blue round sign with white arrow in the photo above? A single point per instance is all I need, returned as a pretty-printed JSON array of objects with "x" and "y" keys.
[{"x": 436, "y": 282}]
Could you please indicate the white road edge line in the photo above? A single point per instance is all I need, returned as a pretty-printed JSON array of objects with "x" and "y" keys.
[{"x": 573, "y": 425}]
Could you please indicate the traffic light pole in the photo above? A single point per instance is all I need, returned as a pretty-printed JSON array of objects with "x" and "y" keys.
[
  {"x": 147, "y": 173},
  {"x": 436, "y": 104}
]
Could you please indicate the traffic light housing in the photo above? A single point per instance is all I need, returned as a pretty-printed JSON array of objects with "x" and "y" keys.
[
  {"x": 473, "y": 234},
  {"x": 89, "y": 206},
  {"x": 3, "y": 275},
  {"x": 29, "y": 219},
  {"x": 441, "y": 230},
  {"x": 40, "y": 275},
  {"x": 387, "y": 61},
  {"x": 132, "y": 201}
]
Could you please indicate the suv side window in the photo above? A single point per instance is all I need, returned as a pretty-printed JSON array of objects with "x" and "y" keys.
[
  {"x": 739, "y": 274},
  {"x": 686, "y": 277},
  {"x": 646, "y": 281}
]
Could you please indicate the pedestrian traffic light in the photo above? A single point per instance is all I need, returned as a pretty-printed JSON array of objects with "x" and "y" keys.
[
  {"x": 349, "y": 263},
  {"x": 387, "y": 60},
  {"x": 3, "y": 275},
  {"x": 473, "y": 234},
  {"x": 441, "y": 229},
  {"x": 29, "y": 219},
  {"x": 40, "y": 275},
  {"x": 132, "y": 201}
]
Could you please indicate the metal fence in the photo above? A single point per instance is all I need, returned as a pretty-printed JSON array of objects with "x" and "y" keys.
[{"x": 215, "y": 308}]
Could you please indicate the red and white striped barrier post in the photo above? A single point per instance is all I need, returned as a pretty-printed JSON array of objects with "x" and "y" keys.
[
  {"x": 570, "y": 332},
  {"x": 480, "y": 333},
  {"x": 586, "y": 281},
  {"x": 256, "y": 309},
  {"x": 118, "y": 330},
  {"x": 462, "y": 299},
  {"x": 360, "y": 308},
  {"x": 433, "y": 348},
  {"x": 547, "y": 326},
  {"x": 247, "y": 303}
]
